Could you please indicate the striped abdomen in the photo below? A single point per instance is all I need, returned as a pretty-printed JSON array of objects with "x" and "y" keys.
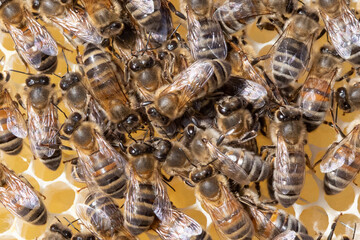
[
  {"x": 36, "y": 216},
  {"x": 140, "y": 215},
  {"x": 288, "y": 61},
  {"x": 9, "y": 143},
  {"x": 52, "y": 162},
  {"x": 97, "y": 202},
  {"x": 339, "y": 179},
  {"x": 289, "y": 177},
  {"x": 209, "y": 42},
  {"x": 150, "y": 21},
  {"x": 355, "y": 55},
  {"x": 314, "y": 101},
  {"x": 203, "y": 236},
  {"x": 48, "y": 63},
  {"x": 108, "y": 175},
  {"x": 103, "y": 76}
]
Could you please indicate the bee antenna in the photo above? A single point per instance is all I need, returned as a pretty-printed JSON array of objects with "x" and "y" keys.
[
  {"x": 144, "y": 104},
  {"x": 59, "y": 109},
  {"x": 1, "y": 59},
  {"x": 175, "y": 30},
  {"x": 13, "y": 70},
  {"x": 147, "y": 44},
  {"x": 71, "y": 223},
  {"x": 57, "y": 219},
  {"x": 301, "y": 2},
  {"x": 67, "y": 64},
  {"x": 57, "y": 75}
]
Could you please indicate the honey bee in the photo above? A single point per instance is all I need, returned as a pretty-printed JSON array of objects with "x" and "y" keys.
[
  {"x": 58, "y": 231},
  {"x": 105, "y": 16},
  {"x": 104, "y": 81},
  {"x": 32, "y": 41},
  {"x": 341, "y": 163},
  {"x": 291, "y": 54},
  {"x": 338, "y": 18},
  {"x": 315, "y": 93},
  {"x": 205, "y": 37},
  {"x": 236, "y": 123},
  {"x": 43, "y": 121},
  {"x": 12, "y": 124},
  {"x": 347, "y": 98},
  {"x": 100, "y": 162},
  {"x": 292, "y": 235},
  {"x": 288, "y": 133},
  {"x": 227, "y": 213},
  {"x": 153, "y": 16},
  {"x": 234, "y": 15},
  {"x": 146, "y": 196},
  {"x": 71, "y": 18},
  {"x": 102, "y": 217},
  {"x": 201, "y": 78},
  {"x": 268, "y": 221},
  {"x": 181, "y": 227},
  {"x": 20, "y": 198}
]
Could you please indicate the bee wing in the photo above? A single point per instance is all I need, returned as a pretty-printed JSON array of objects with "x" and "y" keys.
[
  {"x": 207, "y": 31},
  {"x": 190, "y": 82},
  {"x": 43, "y": 129},
  {"x": 15, "y": 120},
  {"x": 25, "y": 46},
  {"x": 344, "y": 30},
  {"x": 43, "y": 41},
  {"x": 133, "y": 190},
  {"x": 228, "y": 166},
  {"x": 340, "y": 153},
  {"x": 165, "y": 27},
  {"x": 162, "y": 204},
  {"x": 107, "y": 150},
  {"x": 181, "y": 227},
  {"x": 17, "y": 190},
  {"x": 145, "y": 7},
  {"x": 239, "y": 11},
  {"x": 287, "y": 235},
  {"x": 76, "y": 22},
  {"x": 252, "y": 91}
]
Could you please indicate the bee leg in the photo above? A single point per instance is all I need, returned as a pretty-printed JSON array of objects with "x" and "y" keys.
[
  {"x": 263, "y": 148},
  {"x": 55, "y": 105},
  {"x": 308, "y": 163},
  {"x": 20, "y": 101},
  {"x": 63, "y": 47},
  {"x": 169, "y": 185},
  {"x": 347, "y": 75},
  {"x": 70, "y": 160},
  {"x": 269, "y": 26},
  {"x": 79, "y": 59},
  {"x": 167, "y": 179},
  {"x": 261, "y": 58},
  {"x": 323, "y": 31},
  {"x": 333, "y": 226},
  {"x": 80, "y": 189}
]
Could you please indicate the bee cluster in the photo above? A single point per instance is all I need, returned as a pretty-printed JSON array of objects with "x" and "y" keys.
[{"x": 145, "y": 104}]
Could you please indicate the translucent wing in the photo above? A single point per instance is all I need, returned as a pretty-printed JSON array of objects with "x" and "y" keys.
[
  {"x": 180, "y": 226},
  {"x": 107, "y": 150},
  {"x": 205, "y": 35},
  {"x": 77, "y": 23},
  {"x": 252, "y": 92},
  {"x": 341, "y": 153},
  {"x": 43, "y": 129},
  {"x": 287, "y": 235},
  {"x": 17, "y": 193},
  {"x": 145, "y": 7},
  {"x": 190, "y": 82},
  {"x": 43, "y": 41},
  {"x": 162, "y": 204},
  {"x": 344, "y": 30},
  {"x": 15, "y": 120},
  {"x": 164, "y": 28},
  {"x": 133, "y": 191},
  {"x": 227, "y": 166}
]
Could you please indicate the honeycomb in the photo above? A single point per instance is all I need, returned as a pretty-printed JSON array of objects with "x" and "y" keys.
[{"x": 315, "y": 209}]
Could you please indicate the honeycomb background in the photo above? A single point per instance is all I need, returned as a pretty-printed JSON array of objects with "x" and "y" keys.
[{"x": 316, "y": 210}]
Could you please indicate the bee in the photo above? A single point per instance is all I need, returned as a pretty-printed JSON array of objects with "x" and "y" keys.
[
  {"x": 292, "y": 235},
  {"x": 201, "y": 78},
  {"x": 32, "y": 41},
  {"x": 12, "y": 124},
  {"x": 227, "y": 213},
  {"x": 234, "y": 15},
  {"x": 43, "y": 121},
  {"x": 341, "y": 163},
  {"x": 181, "y": 227},
  {"x": 146, "y": 196},
  {"x": 58, "y": 231},
  {"x": 315, "y": 93},
  {"x": 71, "y": 18},
  {"x": 102, "y": 217},
  {"x": 105, "y": 82},
  {"x": 205, "y": 36},
  {"x": 269, "y": 221},
  {"x": 291, "y": 54},
  {"x": 288, "y": 133},
  {"x": 105, "y": 16},
  {"x": 347, "y": 98},
  {"x": 236, "y": 123},
  {"x": 154, "y": 17},
  {"x": 338, "y": 18},
  {"x": 99, "y": 161},
  {"x": 20, "y": 198}
]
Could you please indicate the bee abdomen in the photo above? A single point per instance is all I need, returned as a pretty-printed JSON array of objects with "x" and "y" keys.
[
  {"x": 289, "y": 60},
  {"x": 355, "y": 55},
  {"x": 229, "y": 22},
  {"x": 9, "y": 143},
  {"x": 338, "y": 180},
  {"x": 148, "y": 21},
  {"x": 143, "y": 214},
  {"x": 112, "y": 181},
  {"x": 203, "y": 236},
  {"x": 256, "y": 168},
  {"x": 286, "y": 221},
  {"x": 52, "y": 162},
  {"x": 222, "y": 71},
  {"x": 48, "y": 63},
  {"x": 36, "y": 216},
  {"x": 237, "y": 226}
]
